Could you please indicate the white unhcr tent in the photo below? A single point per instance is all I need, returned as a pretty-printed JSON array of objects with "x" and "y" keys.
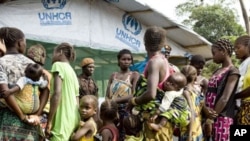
[
  {"x": 179, "y": 37},
  {"x": 98, "y": 29}
]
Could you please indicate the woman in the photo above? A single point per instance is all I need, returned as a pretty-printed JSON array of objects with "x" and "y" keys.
[
  {"x": 14, "y": 125},
  {"x": 242, "y": 51},
  {"x": 220, "y": 92},
  {"x": 156, "y": 72},
  {"x": 121, "y": 86}
]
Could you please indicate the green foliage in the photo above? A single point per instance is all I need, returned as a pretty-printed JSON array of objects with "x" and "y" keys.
[
  {"x": 210, "y": 21},
  {"x": 213, "y": 22},
  {"x": 210, "y": 66}
]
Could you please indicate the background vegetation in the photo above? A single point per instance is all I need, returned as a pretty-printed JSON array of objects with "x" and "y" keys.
[{"x": 213, "y": 19}]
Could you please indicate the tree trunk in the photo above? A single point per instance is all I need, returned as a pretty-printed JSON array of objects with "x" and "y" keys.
[{"x": 245, "y": 16}]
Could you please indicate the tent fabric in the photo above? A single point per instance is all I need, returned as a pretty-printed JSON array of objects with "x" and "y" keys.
[
  {"x": 98, "y": 29},
  {"x": 109, "y": 25},
  {"x": 178, "y": 35},
  {"x": 105, "y": 62}
]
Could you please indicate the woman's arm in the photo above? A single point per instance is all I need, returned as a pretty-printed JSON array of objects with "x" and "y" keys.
[
  {"x": 153, "y": 78},
  {"x": 135, "y": 78},
  {"x": 243, "y": 94},
  {"x": 11, "y": 101},
  {"x": 123, "y": 99},
  {"x": 44, "y": 96},
  {"x": 108, "y": 94},
  {"x": 204, "y": 85},
  {"x": 227, "y": 92},
  {"x": 55, "y": 100},
  {"x": 12, "y": 90}
]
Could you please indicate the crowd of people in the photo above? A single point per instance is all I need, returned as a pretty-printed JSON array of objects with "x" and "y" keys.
[{"x": 154, "y": 103}]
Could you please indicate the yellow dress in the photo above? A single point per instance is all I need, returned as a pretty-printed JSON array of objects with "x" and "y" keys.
[
  {"x": 92, "y": 137},
  {"x": 134, "y": 138},
  {"x": 165, "y": 133},
  {"x": 198, "y": 102},
  {"x": 244, "y": 112}
]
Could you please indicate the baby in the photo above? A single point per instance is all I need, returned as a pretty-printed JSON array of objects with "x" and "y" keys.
[
  {"x": 173, "y": 107},
  {"x": 26, "y": 90}
]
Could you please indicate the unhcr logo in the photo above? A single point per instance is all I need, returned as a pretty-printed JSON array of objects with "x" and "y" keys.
[
  {"x": 54, "y": 4},
  {"x": 52, "y": 16},
  {"x": 129, "y": 35},
  {"x": 131, "y": 24}
]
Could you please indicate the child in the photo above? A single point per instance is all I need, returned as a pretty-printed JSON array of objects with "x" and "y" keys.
[
  {"x": 108, "y": 114},
  {"x": 195, "y": 100},
  {"x": 201, "y": 82},
  {"x": 174, "y": 107},
  {"x": 63, "y": 116},
  {"x": 133, "y": 128},
  {"x": 88, "y": 127},
  {"x": 28, "y": 86},
  {"x": 121, "y": 86},
  {"x": 242, "y": 51}
]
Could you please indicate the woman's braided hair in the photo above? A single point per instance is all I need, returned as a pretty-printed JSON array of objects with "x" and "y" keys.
[{"x": 224, "y": 44}]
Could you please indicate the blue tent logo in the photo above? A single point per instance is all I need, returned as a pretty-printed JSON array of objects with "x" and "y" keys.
[
  {"x": 131, "y": 24},
  {"x": 54, "y": 4}
]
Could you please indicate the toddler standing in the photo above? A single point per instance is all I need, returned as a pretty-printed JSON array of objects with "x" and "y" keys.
[
  {"x": 108, "y": 115},
  {"x": 88, "y": 127}
]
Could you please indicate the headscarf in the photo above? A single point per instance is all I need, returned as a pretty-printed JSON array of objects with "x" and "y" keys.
[
  {"x": 87, "y": 61},
  {"x": 37, "y": 53}
]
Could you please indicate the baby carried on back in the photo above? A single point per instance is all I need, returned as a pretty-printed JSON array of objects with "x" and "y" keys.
[{"x": 26, "y": 90}]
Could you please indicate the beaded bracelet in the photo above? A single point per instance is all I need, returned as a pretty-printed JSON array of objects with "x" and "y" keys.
[{"x": 133, "y": 101}]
